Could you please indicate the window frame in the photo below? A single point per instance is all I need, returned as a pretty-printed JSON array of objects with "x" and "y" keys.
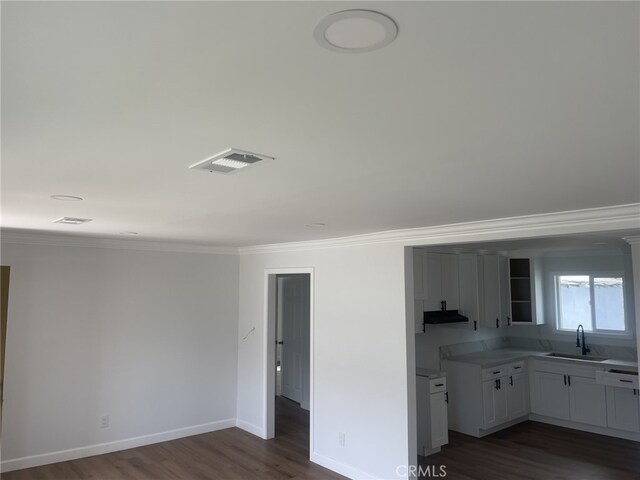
[{"x": 626, "y": 333}]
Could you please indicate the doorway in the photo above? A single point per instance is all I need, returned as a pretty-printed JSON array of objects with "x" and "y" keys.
[
  {"x": 292, "y": 338},
  {"x": 289, "y": 346}
]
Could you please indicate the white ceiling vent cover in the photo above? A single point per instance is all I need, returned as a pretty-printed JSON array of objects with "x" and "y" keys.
[
  {"x": 230, "y": 161},
  {"x": 72, "y": 220}
]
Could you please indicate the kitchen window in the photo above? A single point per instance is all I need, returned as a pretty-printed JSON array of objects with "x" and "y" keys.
[{"x": 594, "y": 300}]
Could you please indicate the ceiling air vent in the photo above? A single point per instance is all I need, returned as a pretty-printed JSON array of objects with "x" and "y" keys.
[
  {"x": 72, "y": 220},
  {"x": 230, "y": 161}
]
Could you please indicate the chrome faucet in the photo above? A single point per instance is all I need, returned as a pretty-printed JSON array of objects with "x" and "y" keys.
[{"x": 585, "y": 349}]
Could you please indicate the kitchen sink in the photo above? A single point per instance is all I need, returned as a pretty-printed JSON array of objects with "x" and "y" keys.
[{"x": 587, "y": 358}]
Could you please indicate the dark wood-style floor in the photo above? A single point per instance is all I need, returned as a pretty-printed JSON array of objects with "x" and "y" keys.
[
  {"x": 527, "y": 451},
  {"x": 223, "y": 455},
  {"x": 537, "y": 451}
]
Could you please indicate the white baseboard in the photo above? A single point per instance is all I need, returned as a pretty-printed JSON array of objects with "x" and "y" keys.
[
  {"x": 251, "y": 428},
  {"x": 100, "y": 448},
  {"x": 340, "y": 468},
  {"x": 610, "y": 432}
]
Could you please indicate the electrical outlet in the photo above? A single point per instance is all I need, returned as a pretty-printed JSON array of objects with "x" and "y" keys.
[
  {"x": 104, "y": 421},
  {"x": 341, "y": 439}
]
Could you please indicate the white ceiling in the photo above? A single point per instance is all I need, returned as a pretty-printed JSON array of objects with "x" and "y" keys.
[{"x": 476, "y": 111}]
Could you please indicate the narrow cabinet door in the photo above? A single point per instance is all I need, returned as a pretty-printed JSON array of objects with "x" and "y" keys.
[
  {"x": 505, "y": 303},
  {"x": 432, "y": 281},
  {"x": 439, "y": 420},
  {"x": 494, "y": 402},
  {"x": 518, "y": 398},
  {"x": 450, "y": 281},
  {"x": 491, "y": 288}
]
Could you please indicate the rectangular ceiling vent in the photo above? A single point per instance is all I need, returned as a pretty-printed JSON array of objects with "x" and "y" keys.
[
  {"x": 72, "y": 220},
  {"x": 230, "y": 161}
]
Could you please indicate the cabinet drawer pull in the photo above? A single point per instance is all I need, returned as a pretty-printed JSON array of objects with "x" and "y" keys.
[
  {"x": 626, "y": 381},
  {"x": 517, "y": 368},
  {"x": 439, "y": 385},
  {"x": 496, "y": 372}
]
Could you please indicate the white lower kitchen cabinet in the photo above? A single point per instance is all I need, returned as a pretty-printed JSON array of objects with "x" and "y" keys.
[
  {"x": 503, "y": 390},
  {"x": 568, "y": 392},
  {"x": 432, "y": 407},
  {"x": 623, "y": 409},
  {"x": 587, "y": 401},
  {"x": 551, "y": 397},
  {"x": 439, "y": 419},
  {"x": 518, "y": 395},
  {"x": 494, "y": 403}
]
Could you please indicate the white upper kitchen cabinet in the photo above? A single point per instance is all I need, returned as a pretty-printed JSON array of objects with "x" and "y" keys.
[
  {"x": 440, "y": 281},
  {"x": 492, "y": 301},
  {"x": 470, "y": 270}
]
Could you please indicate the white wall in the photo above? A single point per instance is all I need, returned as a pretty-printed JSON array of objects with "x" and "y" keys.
[
  {"x": 149, "y": 338},
  {"x": 428, "y": 344},
  {"x": 360, "y": 354}
]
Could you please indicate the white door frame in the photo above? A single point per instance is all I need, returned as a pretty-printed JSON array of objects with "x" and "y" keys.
[{"x": 269, "y": 344}]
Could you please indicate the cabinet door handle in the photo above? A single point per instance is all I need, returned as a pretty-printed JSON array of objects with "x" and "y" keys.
[
  {"x": 511, "y": 381},
  {"x": 446, "y": 397},
  {"x": 497, "y": 384},
  {"x": 475, "y": 325},
  {"x": 508, "y": 321},
  {"x": 569, "y": 379},
  {"x": 565, "y": 379},
  {"x": 635, "y": 392},
  {"x": 497, "y": 323}
]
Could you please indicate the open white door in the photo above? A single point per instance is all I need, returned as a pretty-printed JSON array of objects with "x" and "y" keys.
[{"x": 293, "y": 294}]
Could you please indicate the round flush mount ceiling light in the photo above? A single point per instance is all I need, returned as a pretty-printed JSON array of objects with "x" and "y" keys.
[
  {"x": 355, "y": 31},
  {"x": 67, "y": 198}
]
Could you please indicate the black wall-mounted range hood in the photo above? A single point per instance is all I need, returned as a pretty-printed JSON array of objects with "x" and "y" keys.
[{"x": 437, "y": 317}]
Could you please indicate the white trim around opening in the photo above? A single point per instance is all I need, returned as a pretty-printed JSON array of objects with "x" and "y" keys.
[{"x": 269, "y": 342}]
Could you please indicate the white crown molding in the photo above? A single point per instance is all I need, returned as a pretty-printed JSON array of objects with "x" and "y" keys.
[
  {"x": 633, "y": 240},
  {"x": 620, "y": 217},
  {"x": 33, "y": 238}
]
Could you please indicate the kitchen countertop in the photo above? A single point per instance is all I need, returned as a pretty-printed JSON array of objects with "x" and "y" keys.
[
  {"x": 491, "y": 358},
  {"x": 429, "y": 373}
]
